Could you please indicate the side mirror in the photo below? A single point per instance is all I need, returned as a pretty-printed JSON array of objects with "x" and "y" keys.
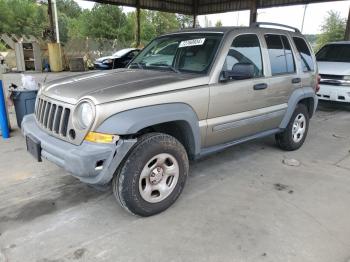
[{"x": 239, "y": 71}]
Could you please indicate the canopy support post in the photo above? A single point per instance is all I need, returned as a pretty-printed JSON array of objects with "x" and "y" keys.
[{"x": 253, "y": 12}]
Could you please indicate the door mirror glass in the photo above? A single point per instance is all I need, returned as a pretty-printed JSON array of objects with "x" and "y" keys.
[{"x": 240, "y": 71}]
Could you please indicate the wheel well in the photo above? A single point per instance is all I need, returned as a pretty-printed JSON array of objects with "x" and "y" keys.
[
  {"x": 178, "y": 129},
  {"x": 309, "y": 103}
]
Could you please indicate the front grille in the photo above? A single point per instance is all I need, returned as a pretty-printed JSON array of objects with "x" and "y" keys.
[
  {"x": 52, "y": 116},
  {"x": 333, "y": 77}
]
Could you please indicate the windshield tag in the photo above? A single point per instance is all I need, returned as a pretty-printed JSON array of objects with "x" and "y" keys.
[{"x": 192, "y": 42}]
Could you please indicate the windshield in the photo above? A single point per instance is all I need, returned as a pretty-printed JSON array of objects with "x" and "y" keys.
[
  {"x": 191, "y": 53},
  {"x": 121, "y": 52},
  {"x": 334, "y": 53}
]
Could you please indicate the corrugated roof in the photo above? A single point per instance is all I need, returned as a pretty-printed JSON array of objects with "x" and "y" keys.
[{"x": 202, "y": 7}]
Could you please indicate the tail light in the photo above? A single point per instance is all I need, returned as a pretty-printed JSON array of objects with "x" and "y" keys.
[{"x": 317, "y": 87}]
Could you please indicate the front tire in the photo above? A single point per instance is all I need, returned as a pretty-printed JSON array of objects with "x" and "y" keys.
[
  {"x": 152, "y": 176},
  {"x": 293, "y": 137}
]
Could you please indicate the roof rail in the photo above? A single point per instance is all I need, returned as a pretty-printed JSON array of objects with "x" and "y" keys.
[{"x": 258, "y": 24}]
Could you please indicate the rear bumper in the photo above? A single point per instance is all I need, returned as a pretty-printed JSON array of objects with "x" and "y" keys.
[
  {"x": 334, "y": 93},
  {"x": 92, "y": 163}
]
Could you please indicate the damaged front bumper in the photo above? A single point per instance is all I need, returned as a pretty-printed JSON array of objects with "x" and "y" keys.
[{"x": 92, "y": 163}]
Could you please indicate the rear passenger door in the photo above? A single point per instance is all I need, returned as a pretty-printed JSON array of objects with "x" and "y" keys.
[{"x": 283, "y": 78}]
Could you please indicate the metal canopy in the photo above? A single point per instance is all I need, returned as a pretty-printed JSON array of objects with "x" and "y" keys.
[{"x": 203, "y": 7}]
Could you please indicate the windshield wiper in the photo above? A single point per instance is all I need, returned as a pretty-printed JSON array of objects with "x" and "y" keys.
[{"x": 166, "y": 66}]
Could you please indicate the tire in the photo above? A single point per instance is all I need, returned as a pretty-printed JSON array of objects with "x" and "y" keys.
[
  {"x": 152, "y": 176},
  {"x": 293, "y": 137}
]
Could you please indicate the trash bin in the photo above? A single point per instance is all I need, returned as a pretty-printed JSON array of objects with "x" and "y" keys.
[{"x": 24, "y": 102}]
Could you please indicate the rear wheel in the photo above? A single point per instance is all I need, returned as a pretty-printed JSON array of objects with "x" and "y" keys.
[
  {"x": 153, "y": 175},
  {"x": 294, "y": 135}
]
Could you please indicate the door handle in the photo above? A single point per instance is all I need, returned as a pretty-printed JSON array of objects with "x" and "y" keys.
[
  {"x": 296, "y": 80},
  {"x": 260, "y": 86}
]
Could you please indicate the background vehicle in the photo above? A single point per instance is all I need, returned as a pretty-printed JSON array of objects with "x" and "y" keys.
[
  {"x": 138, "y": 127},
  {"x": 334, "y": 68},
  {"x": 118, "y": 60}
]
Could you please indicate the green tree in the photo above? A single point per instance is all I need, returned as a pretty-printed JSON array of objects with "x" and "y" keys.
[
  {"x": 68, "y": 7},
  {"x": 333, "y": 29},
  {"x": 22, "y": 17},
  {"x": 218, "y": 23},
  {"x": 103, "y": 21}
]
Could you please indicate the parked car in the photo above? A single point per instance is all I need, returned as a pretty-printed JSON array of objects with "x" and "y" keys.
[
  {"x": 137, "y": 128},
  {"x": 118, "y": 60},
  {"x": 334, "y": 68}
]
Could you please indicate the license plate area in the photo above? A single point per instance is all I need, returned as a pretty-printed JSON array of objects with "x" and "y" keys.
[{"x": 34, "y": 147}]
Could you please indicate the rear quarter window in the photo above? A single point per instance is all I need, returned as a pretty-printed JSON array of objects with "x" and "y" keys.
[{"x": 305, "y": 54}]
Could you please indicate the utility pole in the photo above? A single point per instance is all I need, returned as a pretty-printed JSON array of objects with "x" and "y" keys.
[
  {"x": 56, "y": 22},
  {"x": 52, "y": 26},
  {"x": 138, "y": 24},
  {"x": 302, "y": 24}
]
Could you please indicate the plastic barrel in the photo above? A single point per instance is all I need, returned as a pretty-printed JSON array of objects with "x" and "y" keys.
[{"x": 24, "y": 102}]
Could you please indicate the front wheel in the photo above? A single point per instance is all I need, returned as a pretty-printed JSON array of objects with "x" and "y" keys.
[
  {"x": 294, "y": 135},
  {"x": 153, "y": 175}
]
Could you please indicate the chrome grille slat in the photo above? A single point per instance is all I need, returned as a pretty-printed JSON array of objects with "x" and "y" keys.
[
  {"x": 46, "y": 114},
  {"x": 65, "y": 118},
  {"x": 42, "y": 113},
  {"x": 58, "y": 120},
  {"x": 51, "y": 117}
]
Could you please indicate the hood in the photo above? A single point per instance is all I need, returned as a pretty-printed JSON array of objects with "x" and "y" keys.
[
  {"x": 105, "y": 86},
  {"x": 101, "y": 59},
  {"x": 333, "y": 68}
]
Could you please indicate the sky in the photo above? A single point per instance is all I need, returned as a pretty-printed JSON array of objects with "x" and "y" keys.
[{"x": 290, "y": 15}]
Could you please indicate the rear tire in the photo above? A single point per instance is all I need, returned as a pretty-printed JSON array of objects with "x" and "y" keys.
[
  {"x": 152, "y": 176},
  {"x": 293, "y": 137}
]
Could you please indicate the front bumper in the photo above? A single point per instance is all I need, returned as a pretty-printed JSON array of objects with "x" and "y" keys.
[
  {"x": 92, "y": 163},
  {"x": 334, "y": 93}
]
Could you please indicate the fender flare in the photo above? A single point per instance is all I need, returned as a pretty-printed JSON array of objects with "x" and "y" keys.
[
  {"x": 131, "y": 121},
  {"x": 298, "y": 95}
]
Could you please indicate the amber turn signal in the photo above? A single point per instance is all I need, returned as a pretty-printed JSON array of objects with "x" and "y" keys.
[{"x": 100, "y": 137}]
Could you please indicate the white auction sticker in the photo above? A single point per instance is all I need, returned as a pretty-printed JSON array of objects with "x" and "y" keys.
[{"x": 192, "y": 42}]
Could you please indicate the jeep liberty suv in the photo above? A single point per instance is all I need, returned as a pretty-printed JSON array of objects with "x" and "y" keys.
[{"x": 186, "y": 95}]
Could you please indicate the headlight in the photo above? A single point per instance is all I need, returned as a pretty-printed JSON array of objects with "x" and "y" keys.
[
  {"x": 108, "y": 61},
  {"x": 84, "y": 115}
]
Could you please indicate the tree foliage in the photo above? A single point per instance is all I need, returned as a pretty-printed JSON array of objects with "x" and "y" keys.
[
  {"x": 102, "y": 21},
  {"x": 333, "y": 29}
]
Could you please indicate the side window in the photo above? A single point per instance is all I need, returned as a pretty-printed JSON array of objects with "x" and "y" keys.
[
  {"x": 305, "y": 54},
  {"x": 280, "y": 53},
  {"x": 245, "y": 49}
]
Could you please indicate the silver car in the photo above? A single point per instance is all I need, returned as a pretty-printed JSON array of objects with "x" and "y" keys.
[{"x": 137, "y": 128}]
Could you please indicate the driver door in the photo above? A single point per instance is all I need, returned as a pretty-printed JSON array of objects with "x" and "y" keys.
[{"x": 241, "y": 108}]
